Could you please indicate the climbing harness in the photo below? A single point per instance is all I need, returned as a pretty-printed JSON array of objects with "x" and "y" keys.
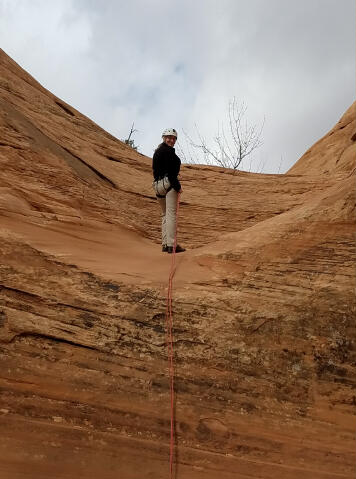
[
  {"x": 162, "y": 186},
  {"x": 169, "y": 321}
]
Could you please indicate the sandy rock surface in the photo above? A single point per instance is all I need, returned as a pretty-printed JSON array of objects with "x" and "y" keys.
[{"x": 264, "y": 307}]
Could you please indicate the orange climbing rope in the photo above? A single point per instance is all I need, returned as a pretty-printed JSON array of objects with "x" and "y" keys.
[{"x": 169, "y": 320}]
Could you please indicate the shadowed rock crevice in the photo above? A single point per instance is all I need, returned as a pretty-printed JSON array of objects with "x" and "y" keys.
[
  {"x": 65, "y": 108},
  {"x": 100, "y": 175}
]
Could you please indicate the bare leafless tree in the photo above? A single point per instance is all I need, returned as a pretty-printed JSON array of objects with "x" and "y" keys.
[
  {"x": 280, "y": 164},
  {"x": 128, "y": 140},
  {"x": 231, "y": 147},
  {"x": 185, "y": 152}
]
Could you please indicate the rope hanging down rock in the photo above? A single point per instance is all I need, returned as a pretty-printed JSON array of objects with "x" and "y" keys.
[{"x": 169, "y": 321}]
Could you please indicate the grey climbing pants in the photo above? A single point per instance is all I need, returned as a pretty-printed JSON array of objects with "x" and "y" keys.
[{"x": 168, "y": 206}]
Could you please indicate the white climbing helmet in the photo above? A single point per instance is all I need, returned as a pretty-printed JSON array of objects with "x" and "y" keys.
[{"x": 170, "y": 132}]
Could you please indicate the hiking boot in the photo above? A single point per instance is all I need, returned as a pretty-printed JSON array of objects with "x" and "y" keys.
[
  {"x": 164, "y": 248},
  {"x": 179, "y": 249}
]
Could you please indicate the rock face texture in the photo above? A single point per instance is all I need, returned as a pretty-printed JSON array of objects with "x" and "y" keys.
[{"x": 264, "y": 307}]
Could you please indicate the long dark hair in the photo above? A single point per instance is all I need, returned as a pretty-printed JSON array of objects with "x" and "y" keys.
[{"x": 159, "y": 146}]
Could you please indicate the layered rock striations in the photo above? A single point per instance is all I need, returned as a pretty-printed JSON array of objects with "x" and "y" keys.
[{"x": 264, "y": 307}]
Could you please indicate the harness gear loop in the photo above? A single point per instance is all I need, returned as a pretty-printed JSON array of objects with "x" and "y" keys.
[{"x": 162, "y": 186}]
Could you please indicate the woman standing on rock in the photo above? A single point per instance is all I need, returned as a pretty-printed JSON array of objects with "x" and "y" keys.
[{"x": 165, "y": 167}]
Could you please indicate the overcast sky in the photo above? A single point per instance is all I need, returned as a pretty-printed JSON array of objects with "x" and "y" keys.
[{"x": 176, "y": 64}]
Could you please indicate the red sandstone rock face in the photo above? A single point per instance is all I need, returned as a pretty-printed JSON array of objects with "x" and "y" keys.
[{"x": 264, "y": 307}]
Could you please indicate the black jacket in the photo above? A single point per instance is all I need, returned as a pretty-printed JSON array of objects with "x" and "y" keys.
[{"x": 165, "y": 162}]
